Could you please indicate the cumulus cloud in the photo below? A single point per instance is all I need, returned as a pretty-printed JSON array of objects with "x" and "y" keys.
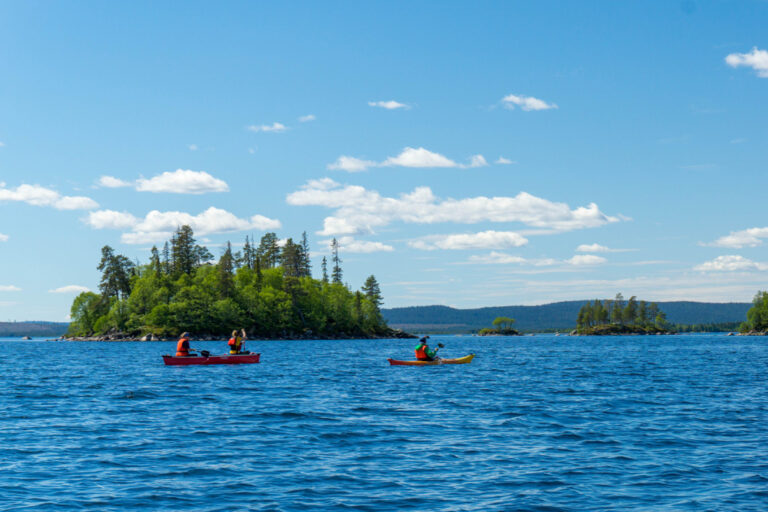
[
  {"x": 358, "y": 210},
  {"x": 598, "y": 248},
  {"x": 351, "y": 245},
  {"x": 586, "y": 259},
  {"x": 112, "y": 182},
  {"x": 40, "y": 196},
  {"x": 350, "y": 164},
  {"x": 274, "y": 127},
  {"x": 501, "y": 258},
  {"x": 504, "y": 161},
  {"x": 751, "y": 237},
  {"x": 157, "y": 226},
  {"x": 9, "y": 288},
  {"x": 482, "y": 240},
  {"x": 72, "y": 288},
  {"x": 408, "y": 157},
  {"x": 110, "y": 219},
  {"x": 730, "y": 263},
  {"x": 526, "y": 103},
  {"x": 3, "y": 238},
  {"x": 756, "y": 59},
  {"x": 389, "y": 105},
  {"x": 182, "y": 181},
  {"x": 307, "y": 118}
]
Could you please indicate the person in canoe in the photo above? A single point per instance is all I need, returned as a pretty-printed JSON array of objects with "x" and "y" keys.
[
  {"x": 423, "y": 352},
  {"x": 182, "y": 347},
  {"x": 237, "y": 342}
]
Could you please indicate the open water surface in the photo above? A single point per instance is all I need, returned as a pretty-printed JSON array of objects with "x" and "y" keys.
[{"x": 534, "y": 423}]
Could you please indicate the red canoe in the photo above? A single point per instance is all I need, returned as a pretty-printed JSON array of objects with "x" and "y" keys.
[{"x": 222, "y": 359}]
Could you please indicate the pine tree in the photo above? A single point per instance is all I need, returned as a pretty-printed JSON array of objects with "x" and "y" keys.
[
  {"x": 373, "y": 292},
  {"x": 290, "y": 259},
  {"x": 324, "y": 267},
  {"x": 336, "y": 274},
  {"x": 166, "y": 259},
  {"x": 183, "y": 257},
  {"x": 306, "y": 264},
  {"x": 268, "y": 251},
  {"x": 116, "y": 272},
  {"x": 154, "y": 261},
  {"x": 226, "y": 269}
]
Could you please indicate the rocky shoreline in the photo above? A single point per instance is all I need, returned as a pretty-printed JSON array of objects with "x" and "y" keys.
[{"x": 119, "y": 336}]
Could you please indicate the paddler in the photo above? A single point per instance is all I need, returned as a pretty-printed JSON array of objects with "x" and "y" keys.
[
  {"x": 236, "y": 342},
  {"x": 423, "y": 352},
  {"x": 182, "y": 347}
]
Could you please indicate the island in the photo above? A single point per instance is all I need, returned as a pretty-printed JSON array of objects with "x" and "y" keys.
[
  {"x": 620, "y": 317},
  {"x": 502, "y": 326},
  {"x": 267, "y": 289}
]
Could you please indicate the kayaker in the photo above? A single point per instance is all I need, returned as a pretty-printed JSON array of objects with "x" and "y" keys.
[
  {"x": 423, "y": 352},
  {"x": 236, "y": 344},
  {"x": 182, "y": 347}
]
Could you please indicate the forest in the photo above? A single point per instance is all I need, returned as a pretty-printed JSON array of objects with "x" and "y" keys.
[
  {"x": 619, "y": 316},
  {"x": 268, "y": 289},
  {"x": 757, "y": 316}
]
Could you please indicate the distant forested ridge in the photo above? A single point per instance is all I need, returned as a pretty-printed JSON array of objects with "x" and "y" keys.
[
  {"x": 33, "y": 329},
  {"x": 267, "y": 289},
  {"x": 547, "y": 317}
]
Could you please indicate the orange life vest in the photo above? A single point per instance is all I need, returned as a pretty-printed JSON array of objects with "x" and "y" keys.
[
  {"x": 182, "y": 347},
  {"x": 235, "y": 344},
  {"x": 421, "y": 353}
]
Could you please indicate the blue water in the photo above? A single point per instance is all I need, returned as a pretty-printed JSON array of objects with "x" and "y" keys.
[{"x": 534, "y": 423}]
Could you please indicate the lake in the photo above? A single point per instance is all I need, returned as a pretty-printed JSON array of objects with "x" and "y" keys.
[{"x": 534, "y": 423}]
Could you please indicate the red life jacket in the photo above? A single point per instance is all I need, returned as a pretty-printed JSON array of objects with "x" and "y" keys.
[
  {"x": 182, "y": 347},
  {"x": 234, "y": 346},
  {"x": 421, "y": 353}
]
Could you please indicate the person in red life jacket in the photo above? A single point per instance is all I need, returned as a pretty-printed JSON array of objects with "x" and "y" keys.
[
  {"x": 423, "y": 352},
  {"x": 182, "y": 347},
  {"x": 236, "y": 342}
]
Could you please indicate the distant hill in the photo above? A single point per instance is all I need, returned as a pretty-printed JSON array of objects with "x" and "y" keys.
[
  {"x": 49, "y": 329},
  {"x": 546, "y": 317}
]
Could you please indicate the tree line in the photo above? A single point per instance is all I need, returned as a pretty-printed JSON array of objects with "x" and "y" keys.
[
  {"x": 266, "y": 288},
  {"x": 618, "y": 312},
  {"x": 757, "y": 316}
]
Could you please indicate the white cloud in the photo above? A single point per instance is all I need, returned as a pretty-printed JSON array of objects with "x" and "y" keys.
[
  {"x": 730, "y": 263},
  {"x": 307, "y": 118},
  {"x": 586, "y": 259},
  {"x": 110, "y": 219},
  {"x": 478, "y": 161},
  {"x": 598, "y": 248},
  {"x": 3, "y": 238},
  {"x": 751, "y": 237},
  {"x": 182, "y": 182},
  {"x": 526, "y": 103},
  {"x": 419, "y": 157},
  {"x": 389, "y": 105},
  {"x": 501, "y": 258},
  {"x": 112, "y": 182},
  {"x": 351, "y": 245},
  {"x": 504, "y": 161},
  {"x": 756, "y": 59},
  {"x": 72, "y": 288},
  {"x": 192, "y": 147},
  {"x": 9, "y": 288},
  {"x": 40, "y": 196},
  {"x": 350, "y": 164},
  {"x": 274, "y": 127},
  {"x": 482, "y": 240},
  {"x": 157, "y": 226},
  {"x": 408, "y": 157},
  {"x": 358, "y": 210}
]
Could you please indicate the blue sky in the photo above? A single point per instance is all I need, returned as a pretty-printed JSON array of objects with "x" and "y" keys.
[{"x": 468, "y": 154}]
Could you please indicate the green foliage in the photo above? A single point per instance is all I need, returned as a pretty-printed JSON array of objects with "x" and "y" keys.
[
  {"x": 757, "y": 316},
  {"x": 629, "y": 316},
  {"x": 207, "y": 299}
]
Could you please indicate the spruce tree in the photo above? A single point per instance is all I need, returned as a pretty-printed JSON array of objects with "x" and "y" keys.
[
  {"x": 226, "y": 270},
  {"x": 154, "y": 261},
  {"x": 336, "y": 274},
  {"x": 268, "y": 251},
  {"x": 306, "y": 264},
  {"x": 324, "y": 267}
]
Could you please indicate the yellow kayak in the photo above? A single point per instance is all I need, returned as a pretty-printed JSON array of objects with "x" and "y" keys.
[{"x": 461, "y": 360}]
